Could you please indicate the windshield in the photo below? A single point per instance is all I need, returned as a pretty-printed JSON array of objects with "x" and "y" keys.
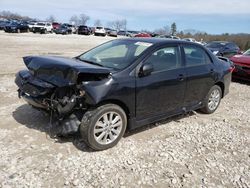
[
  {"x": 215, "y": 44},
  {"x": 247, "y": 52},
  {"x": 116, "y": 54}
]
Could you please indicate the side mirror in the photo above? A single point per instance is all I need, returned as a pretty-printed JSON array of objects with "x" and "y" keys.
[{"x": 146, "y": 70}]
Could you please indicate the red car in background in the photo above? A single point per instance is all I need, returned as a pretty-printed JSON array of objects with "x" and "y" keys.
[
  {"x": 55, "y": 25},
  {"x": 242, "y": 65},
  {"x": 143, "y": 35}
]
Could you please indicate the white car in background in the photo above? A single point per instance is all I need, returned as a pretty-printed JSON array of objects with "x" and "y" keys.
[
  {"x": 190, "y": 40},
  {"x": 42, "y": 27},
  {"x": 100, "y": 31}
]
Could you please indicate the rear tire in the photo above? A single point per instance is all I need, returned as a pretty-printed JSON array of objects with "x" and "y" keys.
[
  {"x": 103, "y": 127},
  {"x": 212, "y": 100}
]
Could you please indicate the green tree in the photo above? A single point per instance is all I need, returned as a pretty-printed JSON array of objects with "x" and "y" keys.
[{"x": 173, "y": 28}]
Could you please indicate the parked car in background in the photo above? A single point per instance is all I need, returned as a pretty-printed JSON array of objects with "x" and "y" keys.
[
  {"x": 122, "y": 85},
  {"x": 63, "y": 29},
  {"x": 42, "y": 27},
  {"x": 55, "y": 25},
  {"x": 84, "y": 30},
  {"x": 16, "y": 27},
  {"x": 112, "y": 33},
  {"x": 122, "y": 33},
  {"x": 189, "y": 39},
  {"x": 100, "y": 31},
  {"x": 71, "y": 27},
  {"x": 242, "y": 65},
  {"x": 107, "y": 30},
  {"x": 223, "y": 48},
  {"x": 169, "y": 37},
  {"x": 143, "y": 35},
  {"x": 132, "y": 33},
  {"x": 31, "y": 25},
  {"x": 3, "y": 24}
]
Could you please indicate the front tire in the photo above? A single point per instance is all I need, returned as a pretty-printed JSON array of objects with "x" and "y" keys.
[
  {"x": 212, "y": 100},
  {"x": 103, "y": 127}
]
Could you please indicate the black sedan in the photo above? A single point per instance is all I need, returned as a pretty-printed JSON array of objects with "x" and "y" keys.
[
  {"x": 83, "y": 30},
  {"x": 16, "y": 27},
  {"x": 223, "y": 48},
  {"x": 3, "y": 24},
  {"x": 123, "y": 84}
]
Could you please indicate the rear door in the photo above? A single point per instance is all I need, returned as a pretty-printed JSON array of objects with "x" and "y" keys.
[
  {"x": 163, "y": 90},
  {"x": 200, "y": 74}
]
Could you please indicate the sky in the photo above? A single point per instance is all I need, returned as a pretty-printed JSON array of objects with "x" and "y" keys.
[{"x": 211, "y": 16}]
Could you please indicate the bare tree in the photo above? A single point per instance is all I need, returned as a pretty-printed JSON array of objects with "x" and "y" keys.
[
  {"x": 98, "y": 23},
  {"x": 10, "y": 15},
  {"x": 118, "y": 24},
  {"x": 166, "y": 29},
  {"x": 74, "y": 20},
  {"x": 124, "y": 24},
  {"x": 163, "y": 31},
  {"x": 51, "y": 18},
  {"x": 83, "y": 18}
]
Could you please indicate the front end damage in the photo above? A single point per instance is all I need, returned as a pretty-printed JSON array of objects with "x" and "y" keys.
[{"x": 61, "y": 93}]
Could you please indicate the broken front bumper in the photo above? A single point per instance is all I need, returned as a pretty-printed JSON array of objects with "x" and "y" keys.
[
  {"x": 33, "y": 90},
  {"x": 38, "y": 94}
]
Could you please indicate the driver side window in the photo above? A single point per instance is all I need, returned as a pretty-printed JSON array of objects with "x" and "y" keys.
[{"x": 166, "y": 58}]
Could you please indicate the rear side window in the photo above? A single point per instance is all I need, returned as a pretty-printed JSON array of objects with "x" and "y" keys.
[
  {"x": 166, "y": 58},
  {"x": 196, "y": 56}
]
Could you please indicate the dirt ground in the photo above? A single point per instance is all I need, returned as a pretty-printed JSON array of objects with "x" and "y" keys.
[{"x": 193, "y": 150}]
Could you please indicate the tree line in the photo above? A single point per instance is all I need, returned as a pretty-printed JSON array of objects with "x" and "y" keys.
[{"x": 242, "y": 40}]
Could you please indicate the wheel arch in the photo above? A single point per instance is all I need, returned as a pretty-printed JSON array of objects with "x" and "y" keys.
[
  {"x": 117, "y": 102},
  {"x": 222, "y": 86}
]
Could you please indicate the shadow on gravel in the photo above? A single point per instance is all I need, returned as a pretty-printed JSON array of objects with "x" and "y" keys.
[
  {"x": 241, "y": 81},
  {"x": 38, "y": 120},
  {"x": 159, "y": 123}
]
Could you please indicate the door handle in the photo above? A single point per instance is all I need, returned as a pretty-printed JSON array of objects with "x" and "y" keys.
[
  {"x": 211, "y": 70},
  {"x": 181, "y": 77}
]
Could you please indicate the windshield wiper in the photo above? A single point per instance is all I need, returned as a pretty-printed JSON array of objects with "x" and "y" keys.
[{"x": 90, "y": 62}]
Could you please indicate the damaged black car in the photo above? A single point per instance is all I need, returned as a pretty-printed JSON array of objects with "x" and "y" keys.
[{"x": 123, "y": 84}]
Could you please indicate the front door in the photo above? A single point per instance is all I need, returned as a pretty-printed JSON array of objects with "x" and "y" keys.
[{"x": 163, "y": 90}]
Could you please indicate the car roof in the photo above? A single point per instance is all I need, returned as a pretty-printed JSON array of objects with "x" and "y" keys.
[
  {"x": 225, "y": 42},
  {"x": 158, "y": 40}
]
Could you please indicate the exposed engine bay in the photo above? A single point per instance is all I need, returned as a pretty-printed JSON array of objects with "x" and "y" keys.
[{"x": 62, "y": 96}]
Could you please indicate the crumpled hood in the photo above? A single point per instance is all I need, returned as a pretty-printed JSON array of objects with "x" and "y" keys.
[{"x": 60, "y": 71}]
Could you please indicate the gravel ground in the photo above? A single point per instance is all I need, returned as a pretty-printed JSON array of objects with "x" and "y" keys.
[{"x": 193, "y": 150}]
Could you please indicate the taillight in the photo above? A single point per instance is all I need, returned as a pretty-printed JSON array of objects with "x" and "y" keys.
[{"x": 231, "y": 69}]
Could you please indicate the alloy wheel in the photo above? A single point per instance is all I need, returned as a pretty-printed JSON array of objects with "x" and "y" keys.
[
  {"x": 108, "y": 128},
  {"x": 214, "y": 99}
]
